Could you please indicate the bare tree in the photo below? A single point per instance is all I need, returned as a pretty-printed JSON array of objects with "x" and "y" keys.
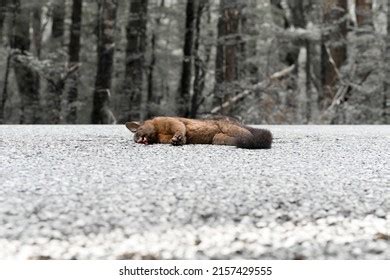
[
  {"x": 334, "y": 48},
  {"x": 26, "y": 77},
  {"x": 186, "y": 74},
  {"x": 37, "y": 28},
  {"x": 58, "y": 27},
  {"x": 105, "y": 54},
  {"x": 300, "y": 55},
  {"x": 227, "y": 47},
  {"x": 135, "y": 60},
  {"x": 74, "y": 58},
  {"x": 3, "y": 10},
  {"x": 152, "y": 97},
  {"x": 200, "y": 64},
  {"x": 4, "y": 96},
  {"x": 386, "y": 95}
]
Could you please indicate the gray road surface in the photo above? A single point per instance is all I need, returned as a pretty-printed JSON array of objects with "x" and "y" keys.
[{"x": 89, "y": 192}]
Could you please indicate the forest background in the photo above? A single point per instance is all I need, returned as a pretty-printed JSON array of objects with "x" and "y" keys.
[{"x": 264, "y": 61}]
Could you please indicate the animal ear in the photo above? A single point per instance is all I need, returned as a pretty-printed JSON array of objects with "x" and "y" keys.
[{"x": 132, "y": 126}]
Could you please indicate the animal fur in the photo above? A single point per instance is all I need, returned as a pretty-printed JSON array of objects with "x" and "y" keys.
[{"x": 216, "y": 131}]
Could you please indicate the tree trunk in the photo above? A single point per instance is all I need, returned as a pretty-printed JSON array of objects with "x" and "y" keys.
[
  {"x": 219, "y": 59},
  {"x": 279, "y": 17},
  {"x": 200, "y": 71},
  {"x": 55, "y": 86},
  {"x": 248, "y": 66},
  {"x": 232, "y": 19},
  {"x": 105, "y": 54},
  {"x": 334, "y": 48},
  {"x": 36, "y": 27},
  {"x": 297, "y": 20},
  {"x": 227, "y": 47},
  {"x": 186, "y": 75},
  {"x": 367, "y": 44},
  {"x": 302, "y": 80},
  {"x": 152, "y": 98},
  {"x": 3, "y": 11},
  {"x": 386, "y": 96},
  {"x": 58, "y": 26},
  {"x": 4, "y": 96},
  {"x": 135, "y": 60},
  {"x": 308, "y": 85},
  {"x": 299, "y": 54},
  {"x": 364, "y": 14},
  {"x": 26, "y": 78},
  {"x": 74, "y": 52},
  {"x": 37, "y": 37}
]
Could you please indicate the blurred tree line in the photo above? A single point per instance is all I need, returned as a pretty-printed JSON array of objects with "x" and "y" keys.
[{"x": 265, "y": 61}]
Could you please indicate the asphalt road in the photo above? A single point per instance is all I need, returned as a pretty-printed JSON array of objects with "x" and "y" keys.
[{"x": 89, "y": 192}]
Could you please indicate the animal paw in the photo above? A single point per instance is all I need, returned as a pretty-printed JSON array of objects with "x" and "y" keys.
[{"x": 178, "y": 140}]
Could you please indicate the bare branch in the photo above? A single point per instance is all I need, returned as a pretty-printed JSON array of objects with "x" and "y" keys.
[
  {"x": 259, "y": 86},
  {"x": 333, "y": 63},
  {"x": 313, "y": 35},
  {"x": 69, "y": 71}
]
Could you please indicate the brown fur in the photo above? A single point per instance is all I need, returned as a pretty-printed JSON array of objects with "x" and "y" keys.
[{"x": 217, "y": 131}]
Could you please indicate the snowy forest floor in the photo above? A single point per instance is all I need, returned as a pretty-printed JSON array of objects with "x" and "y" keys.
[{"x": 89, "y": 192}]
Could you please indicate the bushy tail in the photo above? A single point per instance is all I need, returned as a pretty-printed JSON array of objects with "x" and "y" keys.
[{"x": 260, "y": 139}]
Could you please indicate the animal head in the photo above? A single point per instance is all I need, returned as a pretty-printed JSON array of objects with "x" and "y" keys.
[{"x": 144, "y": 133}]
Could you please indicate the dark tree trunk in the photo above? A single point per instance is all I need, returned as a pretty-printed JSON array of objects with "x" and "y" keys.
[
  {"x": 152, "y": 98},
  {"x": 4, "y": 95},
  {"x": 36, "y": 26},
  {"x": 3, "y": 11},
  {"x": 74, "y": 52},
  {"x": 37, "y": 37},
  {"x": 308, "y": 66},
  {"x": 232, "y": 19},
  {"x": 335, "y": 12},
  {"x": 220, "y": 59},
  {"x": 135, "y": 60},
  {"x": 26, "y": 78},
  {"x": 298, "y": 18},
  {"x": 186, "y": 74},
  {"x": 105, "y": 54},
  {"x": 386, "y": 95},
  {"x": 226, "y": 72},
  {"x": 4, "y": 5},
  {"x": 200, "y": 71},
  {"x": 19, "y": 36},
  {"x": 58, "y": 16}
]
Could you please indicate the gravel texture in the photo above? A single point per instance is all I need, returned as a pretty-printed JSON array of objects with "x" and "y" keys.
[{"x": 89, "y": 192}]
